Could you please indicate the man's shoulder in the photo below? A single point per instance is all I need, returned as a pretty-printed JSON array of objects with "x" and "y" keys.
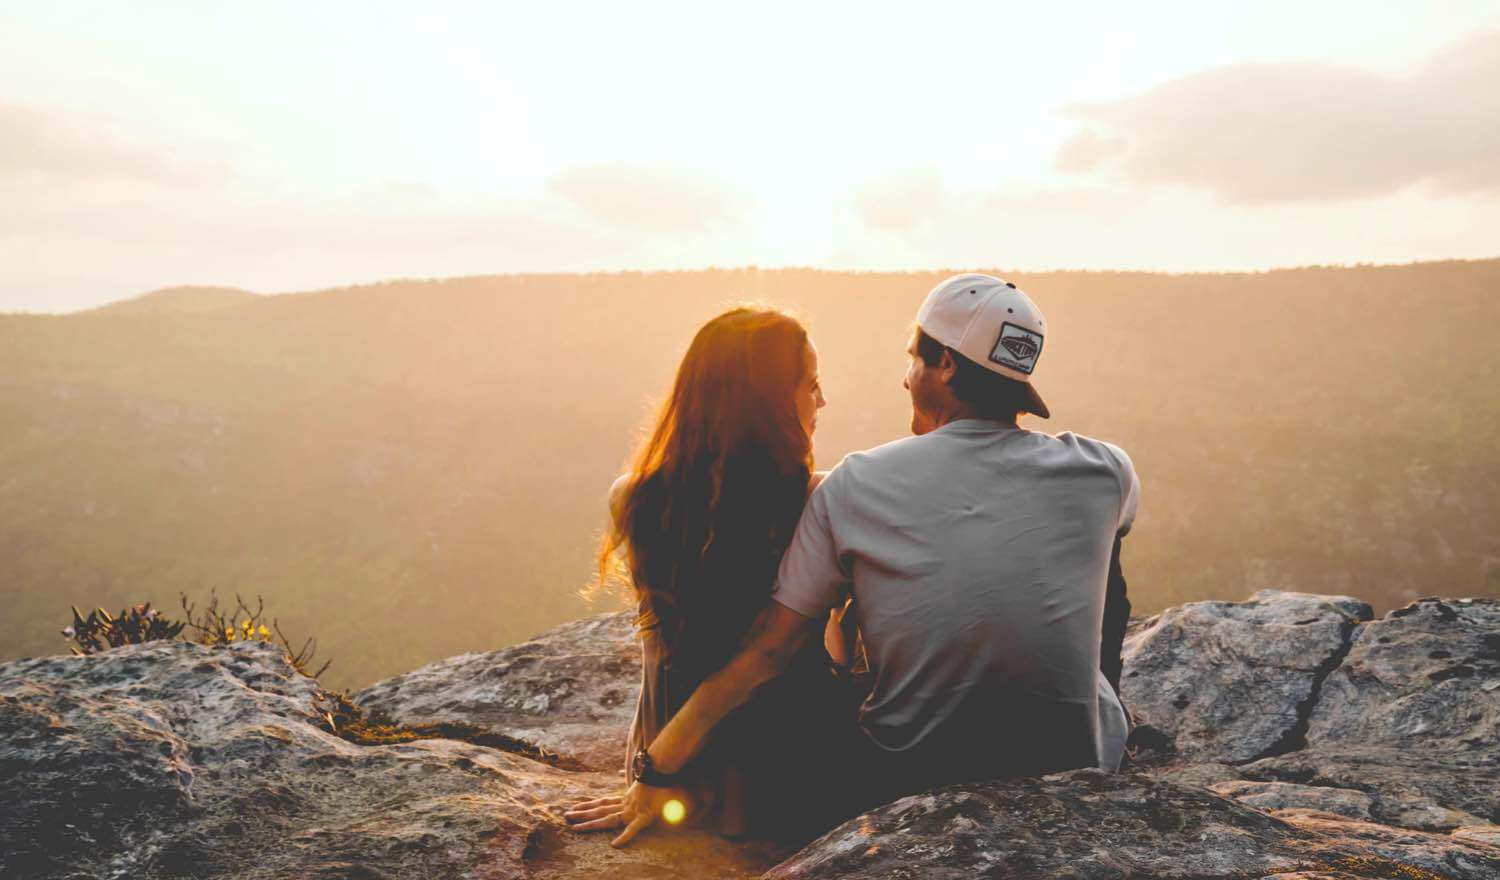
[
  {"x": 1092, "y": 447},
  {"x": 1103, "y": 455},
  {"x": 1048, "y": 449},
  {"x": 1106, "y": 455},
  {"x": 877, "y": 458}
]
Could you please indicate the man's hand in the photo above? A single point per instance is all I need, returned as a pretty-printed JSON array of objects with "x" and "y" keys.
[{"x": 641, "y": 806}]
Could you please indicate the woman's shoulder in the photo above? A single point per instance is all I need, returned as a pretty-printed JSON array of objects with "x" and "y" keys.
[{"x": 617, "y": 492}]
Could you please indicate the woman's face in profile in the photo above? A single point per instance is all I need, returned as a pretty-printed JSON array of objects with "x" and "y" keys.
[{"x": 809, "y": 391}]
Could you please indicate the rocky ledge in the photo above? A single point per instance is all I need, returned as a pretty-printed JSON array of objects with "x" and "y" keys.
[{"x": 1288, "y": 736}]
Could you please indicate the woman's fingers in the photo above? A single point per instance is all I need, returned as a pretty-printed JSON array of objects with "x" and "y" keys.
[
  {"x": 597, "y": 802},
  {"x": 635, "y": 827},
  {"x": 573, "y": 817},
  {"x": 612, "y": 820},
  {"x": 572, "y": 813}
]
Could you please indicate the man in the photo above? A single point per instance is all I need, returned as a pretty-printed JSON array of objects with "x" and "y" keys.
[{"x": 978, "y": 555}]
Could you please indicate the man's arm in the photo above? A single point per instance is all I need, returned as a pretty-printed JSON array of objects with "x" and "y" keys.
[
  {"x": 1116, "y": 605},
  {"x": 808, "y": 580},
  {"x": 775, "y": 637},
  {"x": 811, "y": 581},
  {"x": 1116, "y": 618}
]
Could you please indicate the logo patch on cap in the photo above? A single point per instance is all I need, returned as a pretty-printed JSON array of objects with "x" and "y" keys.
[{"x": 1017, "y": 348}]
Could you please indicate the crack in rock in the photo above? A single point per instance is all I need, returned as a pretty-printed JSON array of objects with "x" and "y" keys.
[
  {"x": 1295, "y": 737},
  {"x": 1231, "y": 682}
]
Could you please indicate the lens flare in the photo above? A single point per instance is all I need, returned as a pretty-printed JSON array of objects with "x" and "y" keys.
[{"x": 673, "y": 811}]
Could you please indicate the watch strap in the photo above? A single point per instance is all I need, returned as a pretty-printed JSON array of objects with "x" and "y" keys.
[{"x": 647, "y": 774}]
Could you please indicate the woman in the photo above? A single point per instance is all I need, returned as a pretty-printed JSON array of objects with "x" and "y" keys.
[{"x": 703, "y": 518}]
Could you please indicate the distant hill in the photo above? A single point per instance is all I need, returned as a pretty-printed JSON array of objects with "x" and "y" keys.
[
  {"x": 179, "y": 300},
  {"x": 414, "y": 469}
]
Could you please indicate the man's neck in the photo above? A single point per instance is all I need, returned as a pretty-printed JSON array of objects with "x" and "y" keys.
[{"x": 965, "y": 411}]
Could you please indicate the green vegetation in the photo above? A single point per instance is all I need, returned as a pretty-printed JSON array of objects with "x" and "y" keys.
[{"x": 417, "y": 469}]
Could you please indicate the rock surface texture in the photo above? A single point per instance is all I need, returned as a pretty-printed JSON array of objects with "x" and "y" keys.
[
  {"x": 1087, "y": 824},
  {"x": 571, "y": 690},
  {"x": 1234, "y": 681},
  {"x": 1287, "y": 736},
  {"x": 1412, "y": 716},
  {"x": 175, "y": 760}
]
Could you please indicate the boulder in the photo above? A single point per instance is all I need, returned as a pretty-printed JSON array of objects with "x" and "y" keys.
[
  {"x": 1343, "y": 749},
  {"x": 1425, "y": 677},
  {"x": 1087, "y": 825},
  {"x": 1412, "y": 716},
  {"x": 1413, "y": 790},
  {"x": 571, "y": 690},
  {"x": 1229, "y": 682},
  {"x": 171, "y": 759}
]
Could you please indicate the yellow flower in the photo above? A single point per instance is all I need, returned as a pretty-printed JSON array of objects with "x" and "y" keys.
[
  {"x": 264, "y": 633},
  {"x": 248, "y": 627},
  {"x": 229, "y": 635}
]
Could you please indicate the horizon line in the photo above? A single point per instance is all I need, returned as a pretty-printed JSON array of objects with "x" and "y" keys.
[{"x": 748, "y": 267}]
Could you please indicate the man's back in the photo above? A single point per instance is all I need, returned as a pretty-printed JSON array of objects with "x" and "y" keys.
[{"x": 978, "y": 555}]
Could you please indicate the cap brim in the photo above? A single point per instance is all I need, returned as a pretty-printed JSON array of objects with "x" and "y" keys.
[{"x": 1034, "y": 402}]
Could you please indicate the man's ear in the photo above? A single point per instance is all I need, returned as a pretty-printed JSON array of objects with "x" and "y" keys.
[{"x": 947, "y": 367}]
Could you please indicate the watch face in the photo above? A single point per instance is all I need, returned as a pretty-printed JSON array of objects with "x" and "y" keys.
[{"x": 638, "y": 764}]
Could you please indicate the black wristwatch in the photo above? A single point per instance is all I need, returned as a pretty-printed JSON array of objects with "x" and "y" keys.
[{"x": 644, "y": 773}]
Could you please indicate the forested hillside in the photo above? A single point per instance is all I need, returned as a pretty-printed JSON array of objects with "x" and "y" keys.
[{"x": 415, "y": 469}]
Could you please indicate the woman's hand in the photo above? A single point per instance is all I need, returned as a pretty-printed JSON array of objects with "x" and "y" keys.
[{"x": 635, "y": 812}]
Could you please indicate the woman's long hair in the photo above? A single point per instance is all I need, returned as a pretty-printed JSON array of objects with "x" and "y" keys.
[{"x": 716, "y": 489}]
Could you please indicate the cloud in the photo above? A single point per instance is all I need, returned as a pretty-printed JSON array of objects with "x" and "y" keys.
[
  {"x": 37, "y": 144},
  {"x": 1275, "y": 133},
  {"x": 1087, "y": 149},
  {"x": 651, "y": 196}
]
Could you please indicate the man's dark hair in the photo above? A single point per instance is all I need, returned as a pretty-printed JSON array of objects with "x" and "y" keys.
[{"x": 992, "y": 395}]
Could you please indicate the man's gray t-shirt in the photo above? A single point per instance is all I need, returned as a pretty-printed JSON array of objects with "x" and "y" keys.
[{"x": 977, "y": 555}]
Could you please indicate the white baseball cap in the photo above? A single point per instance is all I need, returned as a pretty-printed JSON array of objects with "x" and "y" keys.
[{"x": 992, "y": 323}]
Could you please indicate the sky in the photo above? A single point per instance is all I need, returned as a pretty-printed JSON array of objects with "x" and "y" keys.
[{"x": 295, "y": 146}]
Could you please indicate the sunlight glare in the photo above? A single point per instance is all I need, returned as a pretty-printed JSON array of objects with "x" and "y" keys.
[{"x": 673, "y": 811}]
